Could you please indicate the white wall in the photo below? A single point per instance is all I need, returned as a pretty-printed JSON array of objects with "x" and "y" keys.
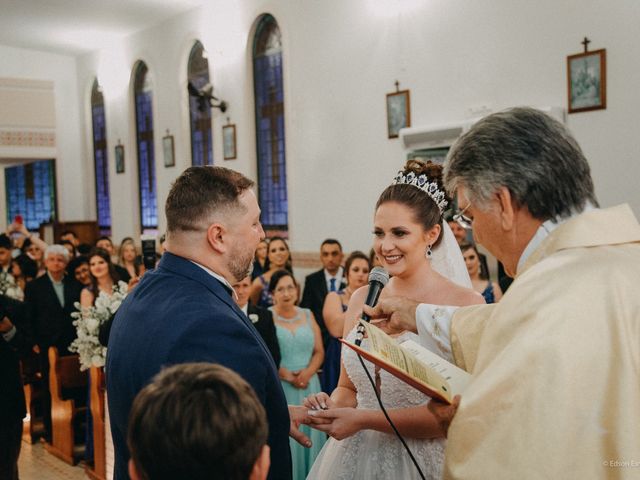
[
  {"x": 71, "y": 174},
  {"x": 340, "y": 59}
]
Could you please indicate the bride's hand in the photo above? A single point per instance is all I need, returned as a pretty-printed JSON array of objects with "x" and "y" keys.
[
  {"x": 318, "y": 401},
  {"x": 345, "y": 421}
]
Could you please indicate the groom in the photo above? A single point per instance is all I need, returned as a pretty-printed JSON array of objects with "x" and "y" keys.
[
  {"x": 555, "y": 364},
  {"x": 184, "y": 310}
]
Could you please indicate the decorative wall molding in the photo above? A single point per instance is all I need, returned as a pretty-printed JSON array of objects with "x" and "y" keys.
[
  {"x": 310, "y": 260},
  {"x": 27, "y": 138}
]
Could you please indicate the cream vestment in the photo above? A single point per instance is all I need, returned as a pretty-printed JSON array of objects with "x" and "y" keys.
[{"x": 556, "y": 364}]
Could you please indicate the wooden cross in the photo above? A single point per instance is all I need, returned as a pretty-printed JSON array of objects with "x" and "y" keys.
[
  {"x": 586, "y": 43},
  {"x": 273, "y": 110},
  {"x": 397, "y": 84}
]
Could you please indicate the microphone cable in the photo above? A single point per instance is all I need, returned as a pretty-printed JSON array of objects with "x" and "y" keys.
[{"x": 384, "y": 411}]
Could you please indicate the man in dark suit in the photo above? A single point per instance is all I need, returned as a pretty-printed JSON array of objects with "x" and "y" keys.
[
  {"x": 14, "y": 344},
  {"x": 49, "y": 302},
  {"x": 183, "y": 311},
  {"x": 328, "y": 279},
  {"x": 261, "y": 318}
]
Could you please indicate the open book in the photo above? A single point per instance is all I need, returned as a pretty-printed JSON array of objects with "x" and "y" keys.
[{"x": 413, "y": 364}]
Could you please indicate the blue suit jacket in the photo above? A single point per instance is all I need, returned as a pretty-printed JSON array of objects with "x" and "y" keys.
[{"x": 179, "y": 313}]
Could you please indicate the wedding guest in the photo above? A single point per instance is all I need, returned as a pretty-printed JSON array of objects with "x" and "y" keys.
[
  {"x": 479, "y": 277},
  {"x": 24, "y": 270},
  {"x": 49, "y": 301},
  {"x": 6, "y": 246},
  {"x": 302, "y": 352},
  {"x": 105, "y": 243},
  {"x": 335, "y": 305},
  {"x": 328, "y": 279},
  {"x": 70, "y": 236},
  {"x": 229, "y": 443},
  {"x": 259, "y": 263},
  {"x": 70, "y": 247},
  {"x": 129, "y": 258},
  {"x": 278, "y": 258},
  {"x": 79, "y": 269},
  {"x": 14, "y": 345},
  {"x": 102, "y": 274},
  {"x": 32, "y": 245},
  {"x": 261, "y": 318}
]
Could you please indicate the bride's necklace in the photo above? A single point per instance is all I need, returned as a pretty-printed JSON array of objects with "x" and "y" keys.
[{"x": 282, "y": 319}]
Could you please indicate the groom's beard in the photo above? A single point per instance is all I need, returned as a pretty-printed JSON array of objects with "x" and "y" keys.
[{"x": 241, "y": 263}]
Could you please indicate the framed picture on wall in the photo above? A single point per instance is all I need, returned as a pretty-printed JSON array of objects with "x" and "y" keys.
[
  {"x": 119, "y": 158},
  {"x": 168, "y": 150},
  {"x": 229, "y": 141},
  {"x": 587, "y": 81},
  {"x": 398, "y": 112}
]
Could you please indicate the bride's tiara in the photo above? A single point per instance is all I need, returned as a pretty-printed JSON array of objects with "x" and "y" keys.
[{"x": 422, "y": 182}]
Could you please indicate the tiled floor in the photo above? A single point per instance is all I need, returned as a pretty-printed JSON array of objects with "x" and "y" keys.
[{"x": 36, "y": 464}]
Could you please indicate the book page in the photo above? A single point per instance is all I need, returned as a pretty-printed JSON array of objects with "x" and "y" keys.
[
  {"x": 456, "y": 378},
  {"x": 385, "y": 347}
]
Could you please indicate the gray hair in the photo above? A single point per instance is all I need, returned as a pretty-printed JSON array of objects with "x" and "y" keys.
[
  {"x": 528, "y": 152},
  {"x": 56, "y": 250}
]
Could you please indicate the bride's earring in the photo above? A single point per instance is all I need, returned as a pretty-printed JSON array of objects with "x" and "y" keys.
[{"x": 428, "y": 253}]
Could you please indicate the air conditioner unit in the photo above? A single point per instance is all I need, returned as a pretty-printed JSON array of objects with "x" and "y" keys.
[{"x": 439, "y": 136}]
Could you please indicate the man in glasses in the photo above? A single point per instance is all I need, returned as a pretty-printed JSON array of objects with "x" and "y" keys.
[{"x": 555, "y": 364}]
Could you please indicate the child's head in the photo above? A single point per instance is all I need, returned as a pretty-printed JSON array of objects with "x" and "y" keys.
[{"x": 198, "y": 421}]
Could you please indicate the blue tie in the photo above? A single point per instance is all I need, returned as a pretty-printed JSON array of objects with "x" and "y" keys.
[{"x": 332, "y": 283}]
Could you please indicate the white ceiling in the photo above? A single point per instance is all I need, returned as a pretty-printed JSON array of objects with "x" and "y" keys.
[{"x": 73, "y": 27}]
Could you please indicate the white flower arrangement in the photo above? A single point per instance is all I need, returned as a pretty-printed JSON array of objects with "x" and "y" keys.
[
  {"x": 87, "y": 322},
  {"x": 9, "y": 288}
]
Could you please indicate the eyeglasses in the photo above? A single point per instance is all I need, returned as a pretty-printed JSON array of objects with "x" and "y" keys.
[
  {"x": 464, "y": 221},
  {"x": 288, "y": 288}
]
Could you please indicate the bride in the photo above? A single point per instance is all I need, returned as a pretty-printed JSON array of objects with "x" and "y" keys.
[{"x": 408, "y": 236}]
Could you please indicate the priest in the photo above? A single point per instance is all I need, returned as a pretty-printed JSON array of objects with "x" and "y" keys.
[{"x": 555, "y": 391}]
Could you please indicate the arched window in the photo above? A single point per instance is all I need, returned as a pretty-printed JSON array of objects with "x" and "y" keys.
[
  {"x": 199, "y": 111},
  {"x": 269, "y": 99},
  {"x": 103, "y": 212},
  {"x": 146, "y": 160},
  {"x": 31, "y": 193}
]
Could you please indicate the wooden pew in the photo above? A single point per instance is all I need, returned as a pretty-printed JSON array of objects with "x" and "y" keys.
[
  {"x": 64, "y": 375},
  {"x": 97, "y": 388}
]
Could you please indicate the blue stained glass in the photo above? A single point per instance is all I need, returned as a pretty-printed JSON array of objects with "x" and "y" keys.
[
  {"x": 269, "y": 100},
  {"x": 146, "y": 158},
  {"x": 31, "y": 193},
  {"x": 103, "y": 210}
]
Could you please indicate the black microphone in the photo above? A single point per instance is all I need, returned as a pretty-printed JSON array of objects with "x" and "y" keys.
[{"x": 378, "y": 278}]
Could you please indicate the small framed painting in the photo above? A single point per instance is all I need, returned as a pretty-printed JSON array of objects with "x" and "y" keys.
[
  {"x": 169, "y": 151},
  {"x": 587, "y": 81},
  {"x": 119, "y": 158},
  {"x": 229, "y": 142},
  {"x": 398, "y": 112}
]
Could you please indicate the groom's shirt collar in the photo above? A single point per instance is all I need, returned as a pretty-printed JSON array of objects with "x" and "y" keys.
[{"x": 220, "y": 278}]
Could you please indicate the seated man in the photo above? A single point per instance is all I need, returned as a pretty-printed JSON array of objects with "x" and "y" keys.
[{"x": 198, "y": 421}]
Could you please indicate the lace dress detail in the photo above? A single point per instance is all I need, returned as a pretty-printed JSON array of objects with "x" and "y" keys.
[{"x": 375, "y": 455}]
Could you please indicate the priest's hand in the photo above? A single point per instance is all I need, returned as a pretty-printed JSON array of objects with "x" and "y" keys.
[
  {"x": 344, "y": 422},
  {"x": 394, "y": 314},
  {"x": 298, "y": 415},
  {"x": 444, "y": 412}
]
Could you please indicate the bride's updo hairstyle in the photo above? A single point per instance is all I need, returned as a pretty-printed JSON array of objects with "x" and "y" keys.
[{"x": 425, "y": 209}]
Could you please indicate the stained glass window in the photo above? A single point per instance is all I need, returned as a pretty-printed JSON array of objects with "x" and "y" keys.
[
  {"x": 269, "y": 104},
  {"x": 31, "y": 193},
  {"x": 103, "y": 212},
  {"x": 143, "y": 91},
  {"x": 199, "y": 111}
]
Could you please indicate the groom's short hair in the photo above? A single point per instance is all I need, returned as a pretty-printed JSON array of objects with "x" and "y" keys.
[{"x": 196, "y": 421}]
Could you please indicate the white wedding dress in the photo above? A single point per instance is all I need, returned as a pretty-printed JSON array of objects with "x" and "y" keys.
[{"x": 370, "y": 454}]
